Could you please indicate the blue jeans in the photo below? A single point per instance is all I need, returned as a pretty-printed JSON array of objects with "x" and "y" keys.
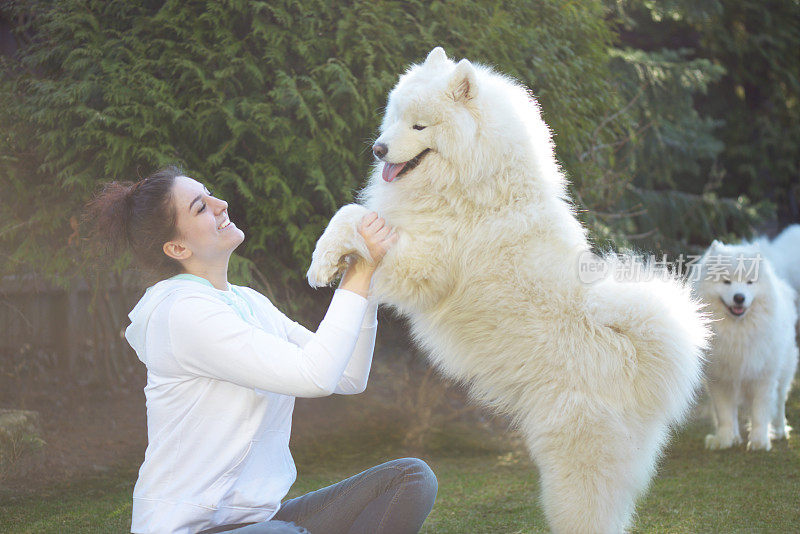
[{"x": 391, "y": 498}]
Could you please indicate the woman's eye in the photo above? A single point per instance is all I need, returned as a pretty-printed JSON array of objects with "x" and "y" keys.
[
  {"x": 418, "y": 127},
  {"x": 203, "y": 207}
]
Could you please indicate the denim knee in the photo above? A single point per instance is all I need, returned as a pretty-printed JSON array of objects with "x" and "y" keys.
[{"x": 422, "y": 475}]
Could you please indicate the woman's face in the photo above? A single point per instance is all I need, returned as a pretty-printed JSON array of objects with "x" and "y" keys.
[{"x": 202, "y": 224}]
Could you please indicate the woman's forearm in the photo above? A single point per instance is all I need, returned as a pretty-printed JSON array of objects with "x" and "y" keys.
[{"x": 358, "y": 277}]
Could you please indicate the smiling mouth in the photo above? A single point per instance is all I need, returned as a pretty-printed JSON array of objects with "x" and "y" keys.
[
  {"x": 736, "y": 310},
  {"x": 393, "y": 170},
  {"x": 224, "y": 225}
]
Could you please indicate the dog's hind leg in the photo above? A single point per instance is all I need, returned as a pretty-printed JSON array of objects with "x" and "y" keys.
[
  {"x": 780, "y": 430},
  {"x": 591, "y": 480}
]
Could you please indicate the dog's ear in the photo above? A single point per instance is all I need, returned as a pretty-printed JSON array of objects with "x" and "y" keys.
[
  {"x": 715, "y": 245},
  {"x": 436, "y": 56},
  {"x": 463, "y": 84}
]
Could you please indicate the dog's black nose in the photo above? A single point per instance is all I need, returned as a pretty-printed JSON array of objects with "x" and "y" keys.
[
  {"x": 738, "y": 298},
  {"x": 380, "y": 150}
]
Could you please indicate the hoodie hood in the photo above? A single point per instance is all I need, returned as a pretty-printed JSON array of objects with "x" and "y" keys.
[{"x": 140, "y": 314}]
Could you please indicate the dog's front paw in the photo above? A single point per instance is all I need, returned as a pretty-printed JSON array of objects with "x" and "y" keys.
[
  {"x": 329, "y": 258},
  {"x": 339, "y": 240},
  {"x": 325, "y": 267},
  {"x": 719, "y": 441}
]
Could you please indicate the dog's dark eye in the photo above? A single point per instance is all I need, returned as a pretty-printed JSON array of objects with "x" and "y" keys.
[
  {"x": 728, "y": 282},
  {"x": 749, "y": 282},
  {"x": 418, "y": 127}
]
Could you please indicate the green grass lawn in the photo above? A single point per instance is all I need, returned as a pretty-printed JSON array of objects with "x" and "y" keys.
[{"x": 487, "y": 485}]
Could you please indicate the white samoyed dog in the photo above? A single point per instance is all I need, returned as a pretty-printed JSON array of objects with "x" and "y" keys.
[
  {"x": 783, "y": 252},
  {"x": 486, "y": 271},
  {"x": 753, "y": 355}
]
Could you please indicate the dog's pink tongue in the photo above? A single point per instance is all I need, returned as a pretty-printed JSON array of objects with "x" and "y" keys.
[{"x": 391, "y": 170}]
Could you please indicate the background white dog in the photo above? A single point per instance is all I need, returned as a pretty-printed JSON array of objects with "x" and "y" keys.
[
  {"x": 783, "y": 252},
  {"x": 753, "y": 354},
  {"x": 486, "y": 270}
]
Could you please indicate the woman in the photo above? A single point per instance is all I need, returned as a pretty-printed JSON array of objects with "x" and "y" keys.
[{"x": 223, "y": 369}]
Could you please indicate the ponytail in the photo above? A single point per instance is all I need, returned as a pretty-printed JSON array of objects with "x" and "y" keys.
[{"x": 139, "y": 217}]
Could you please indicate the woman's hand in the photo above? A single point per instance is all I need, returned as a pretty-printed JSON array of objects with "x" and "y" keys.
[{"x": 379, "y": 238}]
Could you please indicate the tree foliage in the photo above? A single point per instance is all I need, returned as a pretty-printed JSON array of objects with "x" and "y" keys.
[
  {"x": 745, "y": 56},
  {"x": 758, "y": 99},
  {"x": 274, "y": 105}
]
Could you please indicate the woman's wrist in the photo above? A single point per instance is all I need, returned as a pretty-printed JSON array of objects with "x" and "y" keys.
[{"x": 357, "y": 278}]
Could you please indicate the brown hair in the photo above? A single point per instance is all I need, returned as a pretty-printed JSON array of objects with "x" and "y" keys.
[{"x": 139, "y": 217}]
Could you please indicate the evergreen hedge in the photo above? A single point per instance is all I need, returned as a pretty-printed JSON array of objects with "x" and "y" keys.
[{"x": 274, "y": 106}]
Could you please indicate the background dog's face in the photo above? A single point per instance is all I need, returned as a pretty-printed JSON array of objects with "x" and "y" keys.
[{"x": 731, "y": 277}]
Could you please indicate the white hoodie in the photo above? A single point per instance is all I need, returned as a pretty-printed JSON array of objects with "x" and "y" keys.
[{"x": 223, "y": 368}]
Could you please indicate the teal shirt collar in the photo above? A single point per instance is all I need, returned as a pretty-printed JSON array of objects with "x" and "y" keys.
[
  {"x": 195, "y": 278},
  {"x": 231, "y": 296}
]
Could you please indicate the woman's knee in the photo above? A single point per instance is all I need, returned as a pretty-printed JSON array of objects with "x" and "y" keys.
[{"x": 422, "y": 475}]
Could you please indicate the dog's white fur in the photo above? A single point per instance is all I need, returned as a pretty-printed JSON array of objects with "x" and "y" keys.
[
  {"x": 486, "y": 270},
  {"x": 753, "y": 356},
  {"x": 783, "y": 252}
]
